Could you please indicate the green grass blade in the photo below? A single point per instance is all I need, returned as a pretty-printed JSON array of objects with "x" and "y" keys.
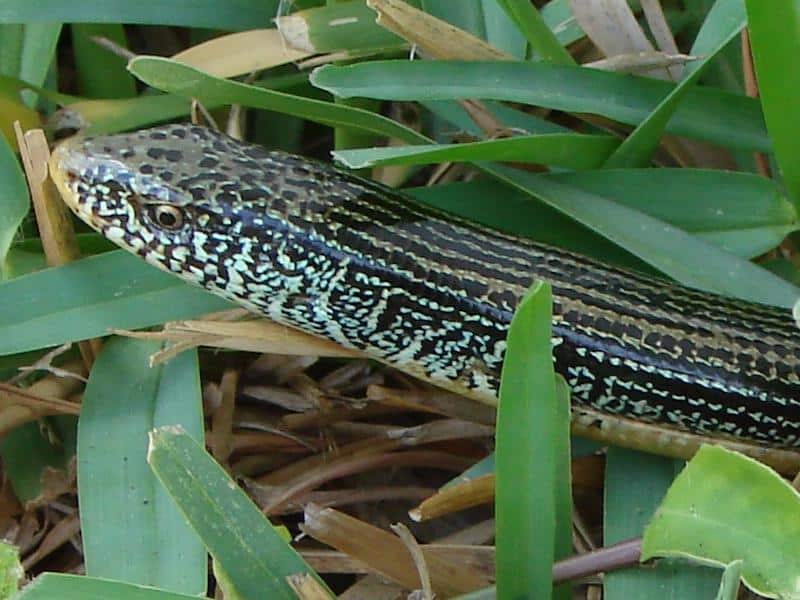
[
  {"x": 742, "y": 213},
  {"x": 176, "y": 78},
  {"x": 774, "y": 28},
  {"x": 725, "y": 20},
  {"x": 11, "y": 571},
  {"x": 233, "y": 14},
  {"x": 731, "y": 578},
  {"x": 113, "y": 115},
  {"x": 65, "y": 304},
  {"x": 705, "y": 113},
  {"x": 724, "y": 507},
  {"x": 251, "y": 552},
  {"x": 532, "y": 448},
  {"x": 75, "y": 587},
  {"x": 100, "y": 73},
  {"x": 671, "y": 250},
  {"x": 501, "y": 31},
  {"x": 16, "y": 202},
  {"x": 569, "y": 150},
  {"x": 337, "y": 26},
  {"x": 536, "y": 31},
  {"x": 635, "y": 484},
  {"x": 122, "y": 505}
]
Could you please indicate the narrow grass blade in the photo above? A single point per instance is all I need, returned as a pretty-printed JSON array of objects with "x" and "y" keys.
[
  {"x": 539, "y": 36},
  {"x": 15, "y": 202},
  {"x": 774, "y": 39},
  {"x": 724, "y": 21},
  {"x": 234, "y": 14},
  {"x": 244, "y": 543},
  {"x": 742, "y": 213},
  {"x": 122, "y": 114},
  {"x": 532, "y": 497},
  {"x": 672, "y": 251},
  {"x": 122, "y": 505},
  {"x": 705, "y": 113},
  {"x": 65, "y": 304},
  {"x": 635, "y": 484},
  {"x": 569, "y": 150},
  {"x": 100, "y": 73},
  {"x": 731, "y": 578},
  {"x": 724, "y": 507},
  {"x": 76, "y": 587},
  {"x": 11, "y": 571},
  {"x": 176, "y": 78},
  {"x": 336, "y": 26}
]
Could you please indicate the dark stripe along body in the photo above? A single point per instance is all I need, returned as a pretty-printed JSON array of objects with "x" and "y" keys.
[{"x": 338, "y": 256}]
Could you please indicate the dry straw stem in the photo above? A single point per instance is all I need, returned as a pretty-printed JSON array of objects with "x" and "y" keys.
[
  {"x": 307, "y": 588},
  {"x": 453, "y": 570},
  {"x": 435, "y": 37},
  {"x": 55, "y": 226},
  {"x": 257, "y": 335},
  {"x": 455, "y": 498},
  {"x": 240, "y": 53}
]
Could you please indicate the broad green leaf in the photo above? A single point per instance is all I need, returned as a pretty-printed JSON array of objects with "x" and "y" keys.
[
  {"x": 570, "y": 150},
  {"x": 705, "y": 113},
  {"x": 774, "y": 28},
  {"x": 66, "y": 303},
  {"x": 179, "y": 79},
  {"x": 233, "y": 14},
  {"x": 725, "y": 507},
  {"x": 635, "y": 484},
  {"x": 724, "y": 21},
  {"x": 252, "y": 553},
  {"x": 122, "y": 504},
  {"x": 532, "y": 498},
  {"x": 75, "y": 587},
  {"x": 671, "y": 250}
]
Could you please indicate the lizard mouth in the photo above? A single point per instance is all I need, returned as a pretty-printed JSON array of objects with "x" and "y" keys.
[{"x": 65, "y": 166}]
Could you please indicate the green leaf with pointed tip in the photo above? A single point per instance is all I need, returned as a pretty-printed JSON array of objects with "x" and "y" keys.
[
  {"x": 177, "y": 78},
  {"x": 671, "y": 250},
  {"x": 570, "y": 150},
  {"x": 532, "y": 499},
  {"x": 64, "y": 304},
  {"x": 253, "y": 555},
  {"x": 725, "y": 506},
  {"x": 725, "y": 20},
  {"x": 774, "y": 40},
  {"x": 122, "y": 504},
  {"x": 705, "y": 113}
]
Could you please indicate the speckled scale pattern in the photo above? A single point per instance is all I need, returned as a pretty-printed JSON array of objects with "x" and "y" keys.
[{"x": 316, "y": 248}]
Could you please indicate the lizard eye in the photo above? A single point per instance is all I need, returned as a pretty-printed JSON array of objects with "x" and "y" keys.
[{"x": 166, "y": 216}]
